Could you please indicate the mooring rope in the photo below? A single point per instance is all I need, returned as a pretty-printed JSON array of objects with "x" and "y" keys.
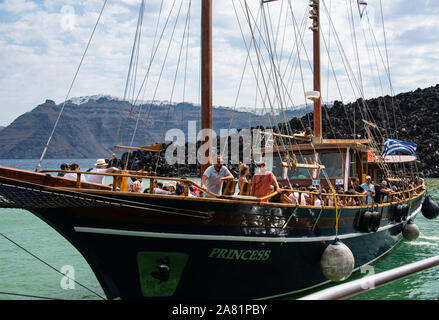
[
  {"x": 50, "y": 266},
  {"x": 28, "y": 296}
]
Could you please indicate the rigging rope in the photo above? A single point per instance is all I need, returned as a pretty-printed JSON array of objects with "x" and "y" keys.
[
  {"x": 70, "y": 88},
  {"x": 28, "y": 296},
  {"x": 176, "y": 71},
  {"x": 129, "y": 81}
]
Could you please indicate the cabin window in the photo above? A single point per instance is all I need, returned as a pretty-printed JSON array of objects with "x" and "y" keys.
[
  {"x": 333, "y": 162},
  {"x": 352, "y": 165}
]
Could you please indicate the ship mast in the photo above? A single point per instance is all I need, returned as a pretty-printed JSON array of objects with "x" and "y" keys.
[
  {"x": 206, "y": 79},
  {"x": 315, "y": 16}
]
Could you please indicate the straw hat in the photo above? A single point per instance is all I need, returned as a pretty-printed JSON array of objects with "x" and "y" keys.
[{"x": 100, "y": 162}]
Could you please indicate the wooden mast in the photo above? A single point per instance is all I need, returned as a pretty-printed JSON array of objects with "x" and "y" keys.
[
  {"x": 315, "y": 16},
  {"x": 206, "y": 77}
]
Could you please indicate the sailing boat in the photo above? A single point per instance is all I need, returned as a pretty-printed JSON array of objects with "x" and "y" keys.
[{"x": 153, "y": 246}]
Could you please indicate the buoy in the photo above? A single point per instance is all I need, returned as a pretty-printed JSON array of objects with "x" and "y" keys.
[
  {"x": 410, "y": 231},
  {"x": 430, "y": 209},
  {"x": 337, "y": 261}
]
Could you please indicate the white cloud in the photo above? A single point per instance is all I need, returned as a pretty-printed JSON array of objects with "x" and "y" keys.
[{"x": 17, "y": 6}]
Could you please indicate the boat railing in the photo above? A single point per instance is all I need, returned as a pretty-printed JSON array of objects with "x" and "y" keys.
[
  {"x": 119, "y": 180},
  {"x": 347, "y": 199},
  {"x": 327, "y": 199}
]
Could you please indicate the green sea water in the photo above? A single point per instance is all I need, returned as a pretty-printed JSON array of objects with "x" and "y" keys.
[{"x": 20, "y": 273}]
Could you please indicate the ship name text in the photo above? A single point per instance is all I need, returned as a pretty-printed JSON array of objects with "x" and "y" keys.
[{"x": 236, "y": 254}]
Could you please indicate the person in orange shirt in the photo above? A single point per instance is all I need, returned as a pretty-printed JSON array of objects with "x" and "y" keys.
[{"x": 262, "y": 180}]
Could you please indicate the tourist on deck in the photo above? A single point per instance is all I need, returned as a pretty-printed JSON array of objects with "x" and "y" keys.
[
  {"x": 159, "y": 188},
  {"x": 382, "y": 192},
  {"x": 294, "y": 196},
  {"x": 304, "y": 197},
  {"x": 341, "y": 200},
  {"x": 369, "y": 188},
  {"x": 64, "y": 166},
  {"x": 192, "y": 191},
  {"x": 357, "y": 190},
  {"x": 262, "y": 180},
  {"x": 74, "y": 167},
  {"x": 313, "y": 199},
  {"x": 136, "y": 186},
  {"x": 318, "y": 201},
  {"x": 101, "y": 167},
  {"x": 353, "y": 201},
  {"x": 214, "y": 176},
  {"x": 179, "y": 190},
  {"x": 171, "y": 186},
  {"x": 288, "y": 197},
  {"x": 243, "y": 172}
]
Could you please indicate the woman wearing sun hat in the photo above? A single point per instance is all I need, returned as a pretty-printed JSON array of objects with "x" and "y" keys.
[{"x": 101, "y": 167}]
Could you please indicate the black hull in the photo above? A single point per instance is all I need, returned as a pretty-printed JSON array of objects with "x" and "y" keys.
[
  {"x": 291, "y": 268},
  {"x": 151, "y": 247}
]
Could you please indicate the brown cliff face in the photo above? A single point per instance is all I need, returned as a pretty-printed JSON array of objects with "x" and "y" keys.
[{"x": 89, "y": 130}]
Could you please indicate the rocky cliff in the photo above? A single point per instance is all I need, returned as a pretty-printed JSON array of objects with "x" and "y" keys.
[
  {"x": 410, "y": 116},
  {"x": 88, "y": 127}
]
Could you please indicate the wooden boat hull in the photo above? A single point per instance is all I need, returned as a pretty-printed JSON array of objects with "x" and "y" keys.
[{"x": 143, "y": 246}]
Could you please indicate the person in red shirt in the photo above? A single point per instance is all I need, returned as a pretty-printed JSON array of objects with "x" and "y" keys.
[{"x": 262, "y": 180}]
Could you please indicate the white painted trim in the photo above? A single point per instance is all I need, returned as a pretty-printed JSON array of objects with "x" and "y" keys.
[{"x": 225, "y": 238}]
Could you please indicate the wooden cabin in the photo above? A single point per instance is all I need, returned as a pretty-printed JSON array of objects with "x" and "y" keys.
[{"x": 342, "y": 160}]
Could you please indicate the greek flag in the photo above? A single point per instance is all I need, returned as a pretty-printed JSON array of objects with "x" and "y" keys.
[{"x": 391, "y": 146}]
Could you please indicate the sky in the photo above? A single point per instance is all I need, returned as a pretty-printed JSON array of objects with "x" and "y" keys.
[{"x": 42, "y": 42}]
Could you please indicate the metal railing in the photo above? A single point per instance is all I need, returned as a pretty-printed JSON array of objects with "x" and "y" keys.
[{"x": 355, "y": 287}]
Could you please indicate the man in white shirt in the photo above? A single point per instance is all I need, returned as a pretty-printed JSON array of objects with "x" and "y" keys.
[
  {"x": 73, "y": 176},
  {"x": 101, "y": 167},
  {"x": 370, "y": 189},
  {"x": 214, "y": 176}
]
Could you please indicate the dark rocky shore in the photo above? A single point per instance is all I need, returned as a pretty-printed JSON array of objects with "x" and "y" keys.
[
  {"x": 407, "y": 116},
  {"x": 410, "y": 116}
]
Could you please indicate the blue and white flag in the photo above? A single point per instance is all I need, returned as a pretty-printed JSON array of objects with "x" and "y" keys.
[{"x": 391, "y": 146}]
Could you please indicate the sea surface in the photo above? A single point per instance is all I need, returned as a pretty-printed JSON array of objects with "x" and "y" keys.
[{"x": 23, "y": 274}]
